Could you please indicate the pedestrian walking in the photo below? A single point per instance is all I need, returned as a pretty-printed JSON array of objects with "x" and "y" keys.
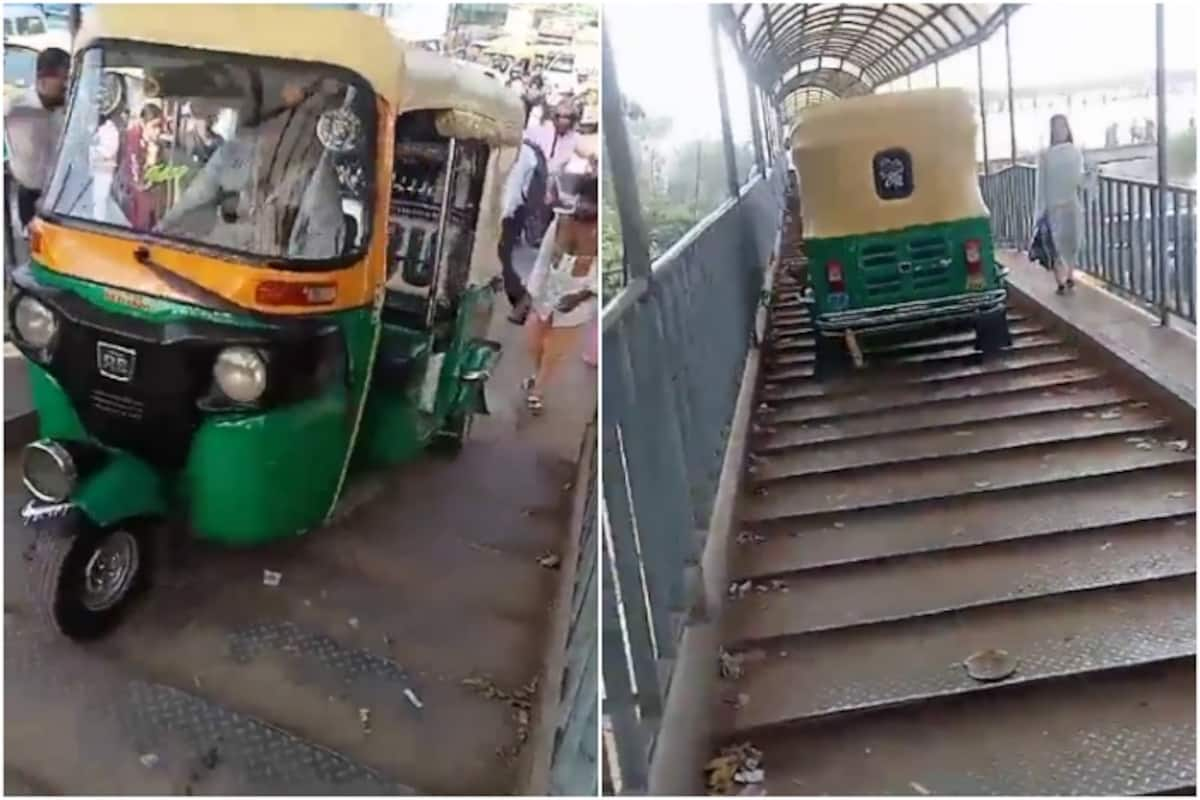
[
  {"x": 1057, "y": 202},
  {"x": 33, "y": 126},
  {"x": 563, "y": 291},
  {"x": 524, "y": 194}
]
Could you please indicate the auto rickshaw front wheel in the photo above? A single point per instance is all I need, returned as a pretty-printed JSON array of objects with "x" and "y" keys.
[{"x": 85, "y": 576}]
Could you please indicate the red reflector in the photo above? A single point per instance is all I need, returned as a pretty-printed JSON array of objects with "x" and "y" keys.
[
  {"x": 284, "y": 293},
  {"x": 974, "y": 253},
  {"x": 833, "y": 273}
]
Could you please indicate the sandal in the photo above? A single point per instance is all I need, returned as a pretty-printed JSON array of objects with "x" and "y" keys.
[
  {"x": 1062, "y": 289},
  {"x": 527, "y": 384},
  {"x": 1070, "y": 284},
  {"x": 534, "y": 404}
]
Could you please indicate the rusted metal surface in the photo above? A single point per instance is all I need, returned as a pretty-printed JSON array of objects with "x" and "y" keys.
[{"x": 934, "y": 506}]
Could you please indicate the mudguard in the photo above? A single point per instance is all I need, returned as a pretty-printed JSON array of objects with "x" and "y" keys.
[
  {"x": 124, "y": 487},
  {"x": 477, "y": 365}
]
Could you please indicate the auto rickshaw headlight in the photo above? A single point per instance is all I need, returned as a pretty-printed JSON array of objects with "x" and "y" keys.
[
  {"x": 48, "y": 471},
  {"x": 35, "y": 323},
  {"x": 241, "y": 373}
]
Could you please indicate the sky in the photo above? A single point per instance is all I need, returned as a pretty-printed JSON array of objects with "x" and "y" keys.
[{"x": 664, "y": 58}]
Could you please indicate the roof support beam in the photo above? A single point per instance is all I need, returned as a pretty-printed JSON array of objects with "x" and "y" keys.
[
  {"x": 1160, "y": 85},
  {"x": 752, "y": 99},
  {"x": 620, "y": 162},
  {"x": 1012, "y": 110},
  {"x": 987, "y": 170},
  {"x": 723, "y": 101}
]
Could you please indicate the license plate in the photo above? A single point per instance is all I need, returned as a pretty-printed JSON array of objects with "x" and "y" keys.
[
  {"x": 115, "y": 362},
  {"x": 838, "y": 301}
]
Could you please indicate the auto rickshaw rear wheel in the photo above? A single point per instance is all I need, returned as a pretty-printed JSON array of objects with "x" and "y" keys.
[
  {"x": 991, "y": 332},
  {"x": 455, "y": 432},
  {"x": 832, "y": 358},
  {"x": 85, "y": 575}
]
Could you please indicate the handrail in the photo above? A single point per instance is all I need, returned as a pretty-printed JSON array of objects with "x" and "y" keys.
[
  {"x": 674, "y": 344},
  {"x": 1120, "y": 244}
]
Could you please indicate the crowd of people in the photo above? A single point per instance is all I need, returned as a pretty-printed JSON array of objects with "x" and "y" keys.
[{"x": 551, "y": 200}]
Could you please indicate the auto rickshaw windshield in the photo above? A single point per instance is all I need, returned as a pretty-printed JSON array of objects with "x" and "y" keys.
[{"x": 259, "y": 157}]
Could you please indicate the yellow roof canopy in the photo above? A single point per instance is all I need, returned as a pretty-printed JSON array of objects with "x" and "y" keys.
[
  {"x": 477, "y": 104},
  {"x": 348, "y": 39}
]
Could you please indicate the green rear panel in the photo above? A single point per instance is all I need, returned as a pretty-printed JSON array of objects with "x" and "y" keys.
[
  {"x": 395, "y": 428},
  {"x": 924, "y": 262}
]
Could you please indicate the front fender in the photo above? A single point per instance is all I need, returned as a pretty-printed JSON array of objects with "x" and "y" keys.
[
  {"x": 124, "y": 487},
  {"x": 477, "y": 365}
]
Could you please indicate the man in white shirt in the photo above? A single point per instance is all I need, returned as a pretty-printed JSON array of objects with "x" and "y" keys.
[
  {"x": 103, "y": 151},
  {"x": 33, "y": 126},
  {"x": 524, "y": 193}
]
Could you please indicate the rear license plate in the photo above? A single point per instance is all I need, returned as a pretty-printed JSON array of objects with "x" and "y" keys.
[{"x": 115, "y": 362}]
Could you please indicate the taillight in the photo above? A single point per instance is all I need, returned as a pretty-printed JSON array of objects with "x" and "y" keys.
[
  {"x": 286, "y": 293},
  {"x": 974, "y": 253},
  {"x": 834, "y": 276}
]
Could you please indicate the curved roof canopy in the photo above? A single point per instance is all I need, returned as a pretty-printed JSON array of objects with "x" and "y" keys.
[
  {"x": 477, "y": 104},
  {"x": 349, "y": 39},
  {"x": 835, "y": 50}
]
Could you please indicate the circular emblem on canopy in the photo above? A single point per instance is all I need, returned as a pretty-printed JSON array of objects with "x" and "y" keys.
[
  {"x": 339, "y": 130},
  {"x": 112, "y": 91}
]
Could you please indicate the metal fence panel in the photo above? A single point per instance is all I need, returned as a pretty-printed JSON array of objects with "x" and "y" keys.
[
  {"x": 573, "y": 765},
  {"x": 1120, "y": 245},
  {"x": 674, "y": 352}
]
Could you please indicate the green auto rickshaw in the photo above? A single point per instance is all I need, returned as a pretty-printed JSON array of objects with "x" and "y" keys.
[
  {"x": 263, "y": 266},
  {"x": 896, "y": 233}
]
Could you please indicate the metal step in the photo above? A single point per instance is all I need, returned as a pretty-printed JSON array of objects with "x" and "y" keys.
[
  {"x": 1017, "y": 467},
  {"x": 1124, "y": 732},
  {"x": 916, "y": 660},
  {"x": 937, "y": 582},
  {"x": 1073, "y": 397},
  {"x": 910, "y": 352},
  {"x": 879, "y": 369},
  {"x": 969, "y": 520},
  {"x": 970, "y": 380},
  {"x": 978, "y": 438},
  {"x": 802, "y": 343}
]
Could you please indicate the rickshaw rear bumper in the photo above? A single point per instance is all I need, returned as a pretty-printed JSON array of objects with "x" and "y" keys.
[{"x": 913, "y": 314}]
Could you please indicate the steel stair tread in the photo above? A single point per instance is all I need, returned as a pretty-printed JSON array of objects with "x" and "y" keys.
[
  {"x": 978, "y": 438},
  {"x": 1123, "y": 732},
  {"x": 1010, "y": 405},
  {"x": 786, "y": 344},
  {"x": 967, "y": 355},
  {"x": 862, "y": 395},
  {"x": 914, "y": 660},
  {"x": 946, "y": 477},
  {"x": 969, "y": 520},
  {"x": 930, "y": 583},
  {"x": 912, "y": 352}
]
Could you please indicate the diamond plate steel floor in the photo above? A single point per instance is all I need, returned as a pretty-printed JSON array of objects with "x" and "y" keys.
[{"x": 934, "y": 505}]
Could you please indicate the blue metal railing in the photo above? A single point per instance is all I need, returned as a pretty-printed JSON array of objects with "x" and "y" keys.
[
  {"x": 674, "y": 352},
  {"x": 1120, "y": 234},
  {"x": 574, "y": 763}
]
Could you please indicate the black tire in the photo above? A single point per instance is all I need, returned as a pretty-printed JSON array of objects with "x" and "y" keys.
[
  {"x": 455, "y": 432},
  {"x": 991, "y": 332},
  {"x": 63, "y": 569},
  {"x": 832, "y": 359}
]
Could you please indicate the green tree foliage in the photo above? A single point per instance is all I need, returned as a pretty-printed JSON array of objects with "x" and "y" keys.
[{"x": 677, "y": 187}]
